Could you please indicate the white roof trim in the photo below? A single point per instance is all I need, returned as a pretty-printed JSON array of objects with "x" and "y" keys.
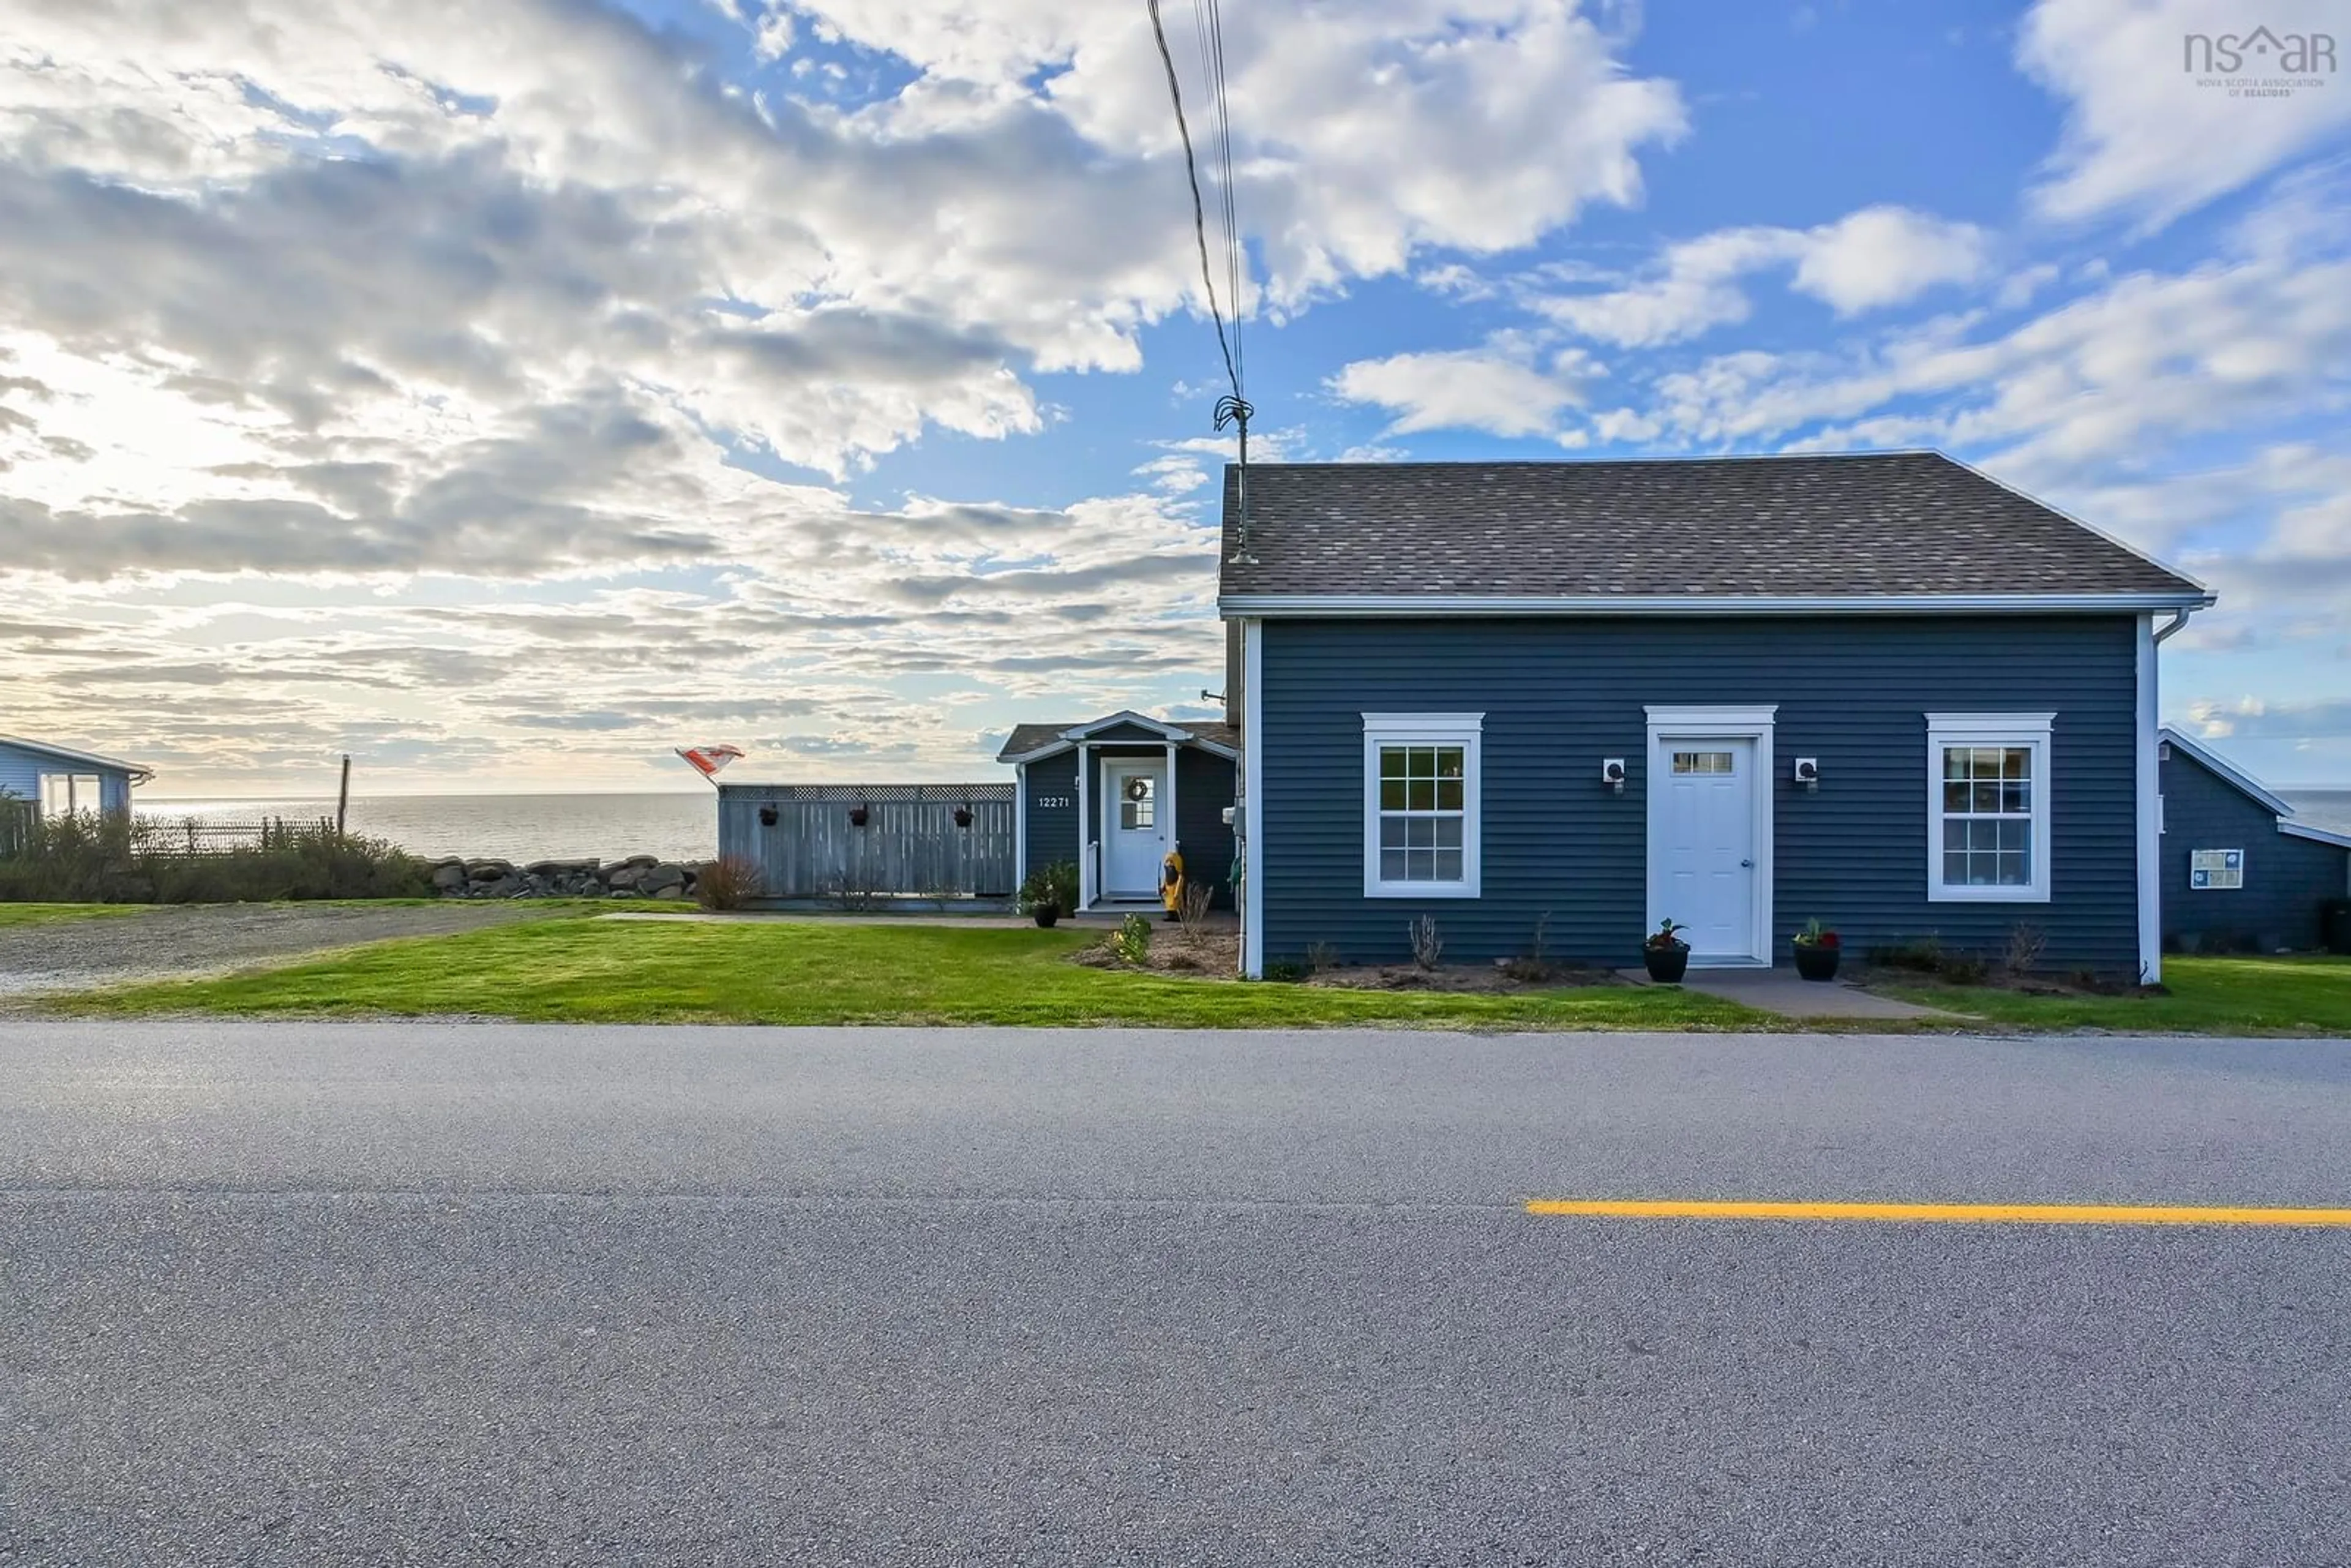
[
  {"x": 2322, "y": 835},
  {"x": 1164, "y": 730},
  {"x": 2245, "y": 781},
  {"x": 1353, "y": 604},
  {"x": 139, "y": 774}
]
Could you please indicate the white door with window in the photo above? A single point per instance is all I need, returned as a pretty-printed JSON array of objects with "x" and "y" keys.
[
  {"x": 1704, "y": 868},
  {"x": 1134, "y": 828}
]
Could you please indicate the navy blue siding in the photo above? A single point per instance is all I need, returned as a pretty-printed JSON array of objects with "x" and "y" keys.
[
  {"x": 1203, "y": 788},
  {"x": 1560, "y": 695},
  {"x": 2285, "y": 877},
  {"x": 1052, "y": 830}
]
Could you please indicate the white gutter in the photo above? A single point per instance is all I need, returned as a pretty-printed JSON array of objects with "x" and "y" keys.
[{"x": 1239, "y": 605}]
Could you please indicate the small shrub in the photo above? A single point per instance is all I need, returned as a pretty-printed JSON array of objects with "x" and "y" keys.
[
  {"x": 1427, "y": 946},
  {"x": 2024, "y": 944},
  {"x": 1964, "y": 970},
  {"x": 1284, "y": 969},
  {"x": 1322, "y": 957},
  {"x": 1131, "y": 941},
  {"x": 728, "y": 883},
  {"x": 1193, "y": 910},
  {"x": 1056, "y": 884},
  {"x": 1924, "y": 953}
]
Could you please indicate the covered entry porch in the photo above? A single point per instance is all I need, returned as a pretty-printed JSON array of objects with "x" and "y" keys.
[{"x": 1117, "y": 796}]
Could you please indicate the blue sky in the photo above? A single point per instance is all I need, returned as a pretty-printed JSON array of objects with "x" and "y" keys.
[{"x": 507, "y": 393}]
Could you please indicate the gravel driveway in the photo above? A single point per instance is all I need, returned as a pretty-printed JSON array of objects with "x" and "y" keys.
[{"x": 178, "y": 940}]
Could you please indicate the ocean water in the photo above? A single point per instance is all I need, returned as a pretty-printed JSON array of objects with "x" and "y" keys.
[
  {"x": 677, "y": 826},
  {"x": 2329, "y": 809}
]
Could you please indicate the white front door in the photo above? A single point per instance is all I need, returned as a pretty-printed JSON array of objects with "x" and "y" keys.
[
  {"x": 1134, "y": 828},
  {"x": 1703, "y": 871}
]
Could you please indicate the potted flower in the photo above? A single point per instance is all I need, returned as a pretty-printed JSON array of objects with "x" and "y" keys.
[
  {"x": 1816, "y": 952},
  {"x": 1052, "y": 893},
  {"x": 1665, "y": 954}
]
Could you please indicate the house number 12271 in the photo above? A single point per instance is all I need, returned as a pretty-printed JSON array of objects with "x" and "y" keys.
[{"x": 1051, "y": 802}]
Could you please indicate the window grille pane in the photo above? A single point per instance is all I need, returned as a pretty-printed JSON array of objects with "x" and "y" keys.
[
  {"x": 2016, "y": 797},
  {"x": 1448, "y": 794},
  {"x": 1447, "y": 834},
  {"x": 1392, "y": 832},
  {"x": 1448, "y": 865},
  {"x": 1423, "y": 794},
  {"x": 1955, "y": 797},
  {"x": 1449, "y": 764},
  {"x": 1715, "y": 762},
  {"x": 1391, "y": 794},
  {"x": 1392, "y": 866}
]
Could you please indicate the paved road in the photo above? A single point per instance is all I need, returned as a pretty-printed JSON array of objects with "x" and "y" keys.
[{"x": 394, "y": 1293}]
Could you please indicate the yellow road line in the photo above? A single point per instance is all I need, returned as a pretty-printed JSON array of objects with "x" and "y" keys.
[{"x": 1940, "y": 1212}]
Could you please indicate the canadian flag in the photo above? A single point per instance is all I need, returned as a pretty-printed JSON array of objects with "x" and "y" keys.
[{"x": 707, "y": 760}]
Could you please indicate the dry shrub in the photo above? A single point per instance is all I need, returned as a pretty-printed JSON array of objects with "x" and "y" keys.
[{"x": 728, "y": 883}]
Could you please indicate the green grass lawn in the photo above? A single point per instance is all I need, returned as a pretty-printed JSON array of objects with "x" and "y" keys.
[
  {"x": 574, "y": 970},
  {"x": 45, "y": 913},
  {"x": 2209, "y": 996}
]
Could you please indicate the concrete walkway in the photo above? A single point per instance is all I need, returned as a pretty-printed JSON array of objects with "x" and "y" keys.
[{"x": 1785, "y": 992}]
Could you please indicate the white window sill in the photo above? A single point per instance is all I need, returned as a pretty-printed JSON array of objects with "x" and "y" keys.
[
  {"x": 1986, "y": 895},
  {"x": 1420, "y": 890}
]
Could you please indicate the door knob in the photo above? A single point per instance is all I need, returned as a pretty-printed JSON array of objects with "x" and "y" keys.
[{"x": 1748, "y": 864}]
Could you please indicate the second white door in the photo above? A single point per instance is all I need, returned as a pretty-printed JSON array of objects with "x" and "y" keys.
[{"x": 1134, "y": 828}]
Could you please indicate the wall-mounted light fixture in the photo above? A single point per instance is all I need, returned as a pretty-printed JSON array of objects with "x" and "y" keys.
[
  {"x": 1808, "y": 773},
  {"x": 1612, "y": 774}
]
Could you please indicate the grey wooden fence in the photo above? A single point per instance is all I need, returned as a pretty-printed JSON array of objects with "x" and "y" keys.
[{"x": 808, "y": 844}]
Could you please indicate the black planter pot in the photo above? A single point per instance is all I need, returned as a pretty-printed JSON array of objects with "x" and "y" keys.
[
  {"x": 1815, "y": 961},
  {"x": 1046, "y": 914},
  {"x": 1666, "y": 965}
]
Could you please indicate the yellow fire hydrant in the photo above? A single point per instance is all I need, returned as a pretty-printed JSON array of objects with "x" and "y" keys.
[{"x": 1171, "y": 883}]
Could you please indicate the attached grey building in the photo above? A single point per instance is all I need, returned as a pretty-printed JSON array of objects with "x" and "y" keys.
[
  {"x": 1882, "y": 690},
  {"x": 2238, "y": 872}
]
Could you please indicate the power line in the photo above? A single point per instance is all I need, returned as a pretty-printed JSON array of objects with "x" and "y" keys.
[{"x": 1199, "y": 208}]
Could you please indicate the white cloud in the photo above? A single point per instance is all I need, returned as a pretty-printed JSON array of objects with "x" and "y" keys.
[
  {"x": 1500, "y": 389},
  {"x": 2145, "y": 136},
  {"x": 1866, "y": 260}
]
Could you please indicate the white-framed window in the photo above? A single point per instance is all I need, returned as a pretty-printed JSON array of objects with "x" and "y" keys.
[
  {"x": 65, "y": 794},
  {"x": 1420, "y": 804},
  {"x": 1988, "y": 784}
]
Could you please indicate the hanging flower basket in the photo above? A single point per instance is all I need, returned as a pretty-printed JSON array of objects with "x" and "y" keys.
[
  {"x": 962, "y": 816},
  {"x": 857, "y": 816}
]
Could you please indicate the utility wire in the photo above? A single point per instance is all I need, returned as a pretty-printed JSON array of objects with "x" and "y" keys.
[{"x": 1199, "y": 208}]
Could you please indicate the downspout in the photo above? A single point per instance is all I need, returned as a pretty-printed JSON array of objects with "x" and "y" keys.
[{"x": 2149, "y": 823}]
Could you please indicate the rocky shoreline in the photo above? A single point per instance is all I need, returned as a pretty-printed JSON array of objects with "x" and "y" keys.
[{"x": 639, "y": 877}]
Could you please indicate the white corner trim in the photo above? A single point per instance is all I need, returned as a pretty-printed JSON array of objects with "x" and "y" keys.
[
  {"x": 1085, "y": 827},
  {"x": 2149, "y": 798},
  {"x": 1019, "y": 829},
  {"x": 2026, "y": 730},
  {"x": 1253, "y": 798},
  {"x": 1752, "y": 723}
]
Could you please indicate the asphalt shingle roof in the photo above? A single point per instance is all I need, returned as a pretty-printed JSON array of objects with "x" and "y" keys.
[
  {"x": 1871, "y": 524},
  {"x": 1027, "y": 738}
]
